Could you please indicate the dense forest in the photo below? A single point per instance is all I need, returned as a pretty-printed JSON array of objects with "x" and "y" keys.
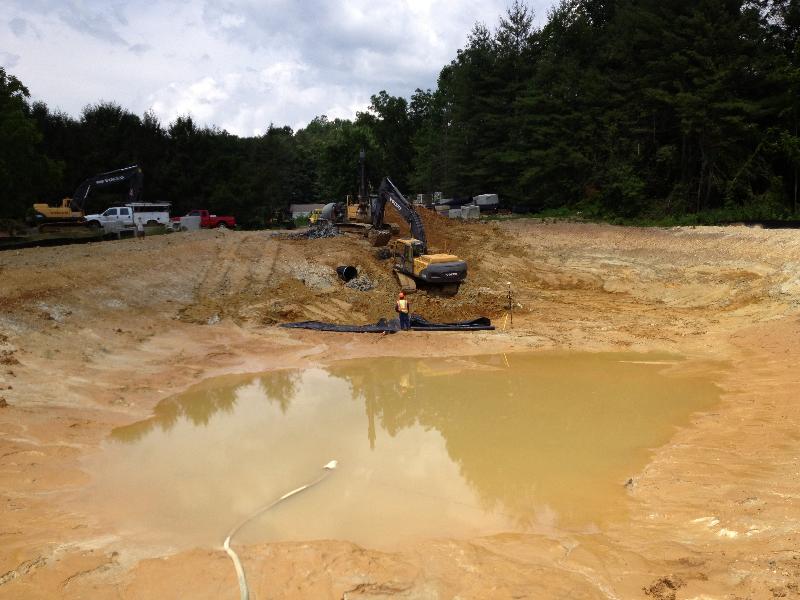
[{"x": 682, "y": 111}]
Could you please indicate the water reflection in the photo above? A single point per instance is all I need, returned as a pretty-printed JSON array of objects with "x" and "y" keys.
[
  {"x": 426, "y": 446},
  {"x": 532, "y": 430},
  {"x": 200, "y": 406}
]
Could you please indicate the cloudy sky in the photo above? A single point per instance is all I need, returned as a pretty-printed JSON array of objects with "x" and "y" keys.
[{"x": 238, "y": 64}]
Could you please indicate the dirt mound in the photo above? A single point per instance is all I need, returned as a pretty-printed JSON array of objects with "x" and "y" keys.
[
  {"x": 259, "y": 278},
  {"x": 262, "y": 280}
]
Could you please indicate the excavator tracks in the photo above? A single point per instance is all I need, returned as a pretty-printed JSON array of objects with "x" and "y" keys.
[{"x": 409, "y": 286}]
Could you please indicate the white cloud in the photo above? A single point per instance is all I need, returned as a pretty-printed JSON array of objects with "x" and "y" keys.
[
  {"x": 200, "y": 99},
  {"x": 237, "y": 64},
  {"x": 232, "y": 21},
  {"x": 8, "y": 60}
]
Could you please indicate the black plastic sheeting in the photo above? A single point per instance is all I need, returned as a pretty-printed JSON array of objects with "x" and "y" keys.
[{"x": 393, "y": 325}]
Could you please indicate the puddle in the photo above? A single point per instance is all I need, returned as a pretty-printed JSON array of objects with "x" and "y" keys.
[{"x": 452, "y": 447}]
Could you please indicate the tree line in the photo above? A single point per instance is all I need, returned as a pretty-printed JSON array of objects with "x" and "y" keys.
[{"x": 612, "y": 109}]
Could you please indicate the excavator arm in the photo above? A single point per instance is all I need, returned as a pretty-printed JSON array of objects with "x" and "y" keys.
[
  {"x": 388, "y": 192},
  {"x": 132, "y": 174}
]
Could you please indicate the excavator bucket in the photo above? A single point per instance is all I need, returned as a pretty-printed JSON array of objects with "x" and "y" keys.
[
  {"x": 407, "y": 284},
  {"x": 379, "y": 237}
]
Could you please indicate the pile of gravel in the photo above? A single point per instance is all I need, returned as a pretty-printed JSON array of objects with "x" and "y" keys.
[
  {"x": 322, "y": 230},
  {"x": 314, "y": 232},
  {"x": 312, "y": 275},
  {"x": 361, "y": 283}
]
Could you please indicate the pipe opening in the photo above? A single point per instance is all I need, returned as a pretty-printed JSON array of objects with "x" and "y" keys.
[{"x": 346, "y": 273}]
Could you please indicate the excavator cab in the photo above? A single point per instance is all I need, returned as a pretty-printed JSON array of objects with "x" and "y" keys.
[
  {"x": 404, "y": 251},
  {"x": 411, "y": 249}
]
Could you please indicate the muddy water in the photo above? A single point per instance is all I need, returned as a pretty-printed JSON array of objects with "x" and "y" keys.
[{"x": 454, "y": 447}]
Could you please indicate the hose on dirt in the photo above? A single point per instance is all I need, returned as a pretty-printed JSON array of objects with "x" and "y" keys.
[{"x": 244, "y": 592}]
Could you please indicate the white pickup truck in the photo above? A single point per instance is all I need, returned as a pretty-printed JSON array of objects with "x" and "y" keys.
[{"x": 122, "y": 217}]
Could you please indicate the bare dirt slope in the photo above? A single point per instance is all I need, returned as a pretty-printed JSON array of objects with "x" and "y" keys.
[{"x": 93, "y": 336}]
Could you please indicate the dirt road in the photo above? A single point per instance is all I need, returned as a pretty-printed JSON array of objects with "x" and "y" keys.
[{"x": 93, "y": 336}]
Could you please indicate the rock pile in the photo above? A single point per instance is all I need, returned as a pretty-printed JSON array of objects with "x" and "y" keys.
[
  {"x": 314, "y": 232},
  {"x": 322, "y": 230},
  {"x": 361, "y": 283}
]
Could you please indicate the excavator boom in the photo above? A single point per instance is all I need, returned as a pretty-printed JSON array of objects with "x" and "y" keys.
[
  {"x": 132, "y": 174},
  {"x": 388, "y": 192}
]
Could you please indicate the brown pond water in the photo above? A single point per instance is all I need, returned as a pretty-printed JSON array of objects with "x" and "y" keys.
[{"x": 452, "y": 447}]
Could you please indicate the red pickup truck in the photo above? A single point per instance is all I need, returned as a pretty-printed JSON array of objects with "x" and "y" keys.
[{"x": 209, "y": 221}]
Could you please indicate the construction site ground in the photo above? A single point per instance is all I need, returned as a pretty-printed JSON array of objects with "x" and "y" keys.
[{"x": 94, "y": 336}]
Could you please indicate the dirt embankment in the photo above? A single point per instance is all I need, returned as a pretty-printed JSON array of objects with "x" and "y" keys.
[{"x": 93, "y": 336}]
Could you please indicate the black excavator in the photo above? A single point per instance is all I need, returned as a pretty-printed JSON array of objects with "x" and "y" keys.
[
  {"x": 413, "y": 266},
  {"x": 71, "y": 213}
]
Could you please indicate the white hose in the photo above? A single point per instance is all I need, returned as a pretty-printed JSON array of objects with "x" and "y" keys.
[{"x": 244, "y": 592}]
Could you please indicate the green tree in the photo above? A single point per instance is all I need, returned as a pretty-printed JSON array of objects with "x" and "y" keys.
[
  {"x": 24, "y": 170},
  {"x": 391, "y": 129}
]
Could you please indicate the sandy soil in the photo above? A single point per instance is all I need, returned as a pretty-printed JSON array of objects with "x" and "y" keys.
[{"x": 93, "y": 336}]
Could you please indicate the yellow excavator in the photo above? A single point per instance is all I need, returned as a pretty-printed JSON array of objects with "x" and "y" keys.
[
  {"x": 70, "y": 212},
  {"x": 355, "y": 216},
  {"x": 412, "y": 265}
]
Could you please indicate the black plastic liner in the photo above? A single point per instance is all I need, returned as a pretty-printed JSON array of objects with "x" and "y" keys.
[
  {"x": 479, "y": 324},
  {"x": 393, "y": 325}
]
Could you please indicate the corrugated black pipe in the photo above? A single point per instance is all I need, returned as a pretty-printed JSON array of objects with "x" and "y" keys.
[{"x": 346, "y": 272}]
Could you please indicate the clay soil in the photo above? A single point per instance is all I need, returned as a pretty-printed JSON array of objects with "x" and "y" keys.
[{"x": 93, "y": 336}]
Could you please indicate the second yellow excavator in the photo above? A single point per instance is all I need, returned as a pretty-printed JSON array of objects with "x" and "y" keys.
[{"x": 355, "y": 216}]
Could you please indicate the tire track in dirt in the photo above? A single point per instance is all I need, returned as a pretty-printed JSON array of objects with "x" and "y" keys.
[
  {"x": 214, "y": 282},
  {"x": 217, "y": 277},
  {"x": 235, "y": 280},
  {"x": 261, "y": 272}
]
